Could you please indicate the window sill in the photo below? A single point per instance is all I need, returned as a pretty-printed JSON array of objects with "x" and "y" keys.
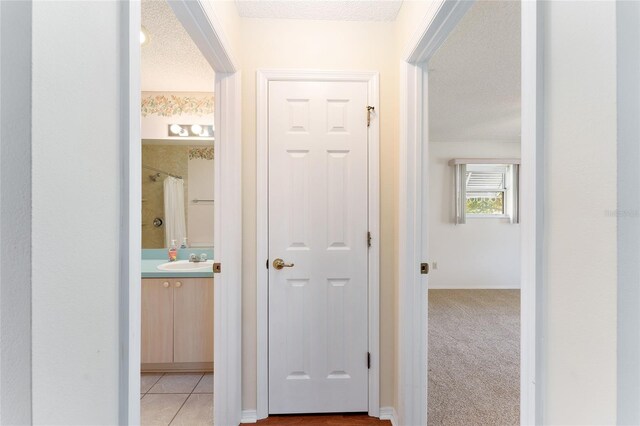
[{"x": 487, "y": 216}]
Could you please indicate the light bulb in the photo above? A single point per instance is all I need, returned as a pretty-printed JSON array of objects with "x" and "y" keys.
[
  {"x": 144, "y": 38},
  {"x": 175, "y": 129},
  {"x": 196, "y": 129}
]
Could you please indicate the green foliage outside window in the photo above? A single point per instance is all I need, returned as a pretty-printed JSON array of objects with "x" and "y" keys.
[{"x": 490, "y": 203}]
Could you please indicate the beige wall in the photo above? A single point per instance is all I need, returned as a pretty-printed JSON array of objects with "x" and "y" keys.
[
  {"x": 227, "y": 14},
  {"x": 335, "y": 46},
  {"x": 411, "y": 18}
]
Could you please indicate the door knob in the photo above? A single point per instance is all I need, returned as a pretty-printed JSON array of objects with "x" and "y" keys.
[
  {"x": 178, "y": 284},
  {"x": 279, "y": 264},
  {"x": 165, "y": 284}
]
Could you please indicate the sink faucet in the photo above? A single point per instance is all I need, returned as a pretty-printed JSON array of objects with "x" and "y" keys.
[{"x": 195, "y": 258}]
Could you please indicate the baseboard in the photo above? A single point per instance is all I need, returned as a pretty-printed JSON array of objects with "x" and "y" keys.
[
  {"x": 458, "y": 287},
  {"x": 249, "y": 416},
  {"x": 389, "y": 413}
]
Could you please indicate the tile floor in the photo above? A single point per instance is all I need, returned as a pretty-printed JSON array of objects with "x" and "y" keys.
[{"x": 176, "y": 399}]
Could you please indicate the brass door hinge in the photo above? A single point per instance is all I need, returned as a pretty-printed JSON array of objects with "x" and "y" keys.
[
  {"x": 217, "y": 268},
  {"x": 369, "y": 109},
  {"x": 424, "y": 268},
  {"x": 369, "y": 239}
]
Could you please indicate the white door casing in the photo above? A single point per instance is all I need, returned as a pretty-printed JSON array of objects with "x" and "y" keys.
[
  {"x": 441, "y": 19},
  {"x": 318, "y": 210},
  {"x": 200, "y": 21}
]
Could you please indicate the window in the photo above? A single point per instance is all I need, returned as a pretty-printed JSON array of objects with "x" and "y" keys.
[{"x": 486, "y": 190}]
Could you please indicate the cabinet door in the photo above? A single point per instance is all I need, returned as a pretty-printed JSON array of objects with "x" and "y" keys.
[
  {"x": 157, "y": 321},
  {"x": 193, "y": 320}
]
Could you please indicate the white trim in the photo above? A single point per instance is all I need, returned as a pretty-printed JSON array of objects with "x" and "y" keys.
[
  {"x": 374, "y": 250},
  {"x": 389, "y": 413},
  {"x": 262, "y": 237},
  {"x": 249, "y": 416},
  {"x": 412, "y": 327},
  {"x": 130, "y": 218},
  {"x": 531, "y": 210},
  {"x": 227, "y": 356},
  {"x": 206, "y": 32},
  {"x": 199, "y": 21},
  {"x": 412, "y": 287},
  {"x": 262, "y": 251},
  {"x": 428, "y": 39},
  {"x": 462, "y": 287},
  {"x": 455, "y": 161}
]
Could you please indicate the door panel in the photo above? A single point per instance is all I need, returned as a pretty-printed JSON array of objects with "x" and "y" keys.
[
  {"x": 318, "y": 221},
  {"x": 157, "y": 321}
]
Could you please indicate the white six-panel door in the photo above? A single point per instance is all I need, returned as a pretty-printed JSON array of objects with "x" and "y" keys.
[{"x": 318, "y": 222}]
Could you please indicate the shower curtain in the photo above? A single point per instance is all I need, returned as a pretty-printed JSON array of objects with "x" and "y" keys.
[{"x": 174, "y": 218}]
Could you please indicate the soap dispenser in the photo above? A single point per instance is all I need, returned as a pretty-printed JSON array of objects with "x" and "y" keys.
[{"x": 173, "y": 251}]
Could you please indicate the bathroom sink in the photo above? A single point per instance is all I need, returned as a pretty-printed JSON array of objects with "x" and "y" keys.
[{"x": 186, "y": 266}]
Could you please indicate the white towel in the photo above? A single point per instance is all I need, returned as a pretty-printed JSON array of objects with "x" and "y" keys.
[{"x": 174, "y": 218}]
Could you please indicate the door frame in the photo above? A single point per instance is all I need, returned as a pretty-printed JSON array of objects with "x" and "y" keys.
[
  {"x": 262, "y": 223},
  {"x": 412, "y": 330},
  {"x": 199, "y": 20}
]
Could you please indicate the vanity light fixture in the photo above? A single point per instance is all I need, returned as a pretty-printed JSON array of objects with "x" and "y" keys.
[
  {"x": 175, "y": 129},
  {"x": 191, "y": 130},
  {"x": 144, "y": 36}
]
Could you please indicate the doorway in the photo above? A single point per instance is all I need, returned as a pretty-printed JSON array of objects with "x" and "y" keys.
[
  {"x": 318, "y": 239},
  {"x": 473, "y": 220},
  {"x": 414, "y": 203},
  {"x": 204, "y": 30}
]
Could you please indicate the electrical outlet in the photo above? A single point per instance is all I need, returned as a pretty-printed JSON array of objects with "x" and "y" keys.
[{"x": 434, "y": 265}]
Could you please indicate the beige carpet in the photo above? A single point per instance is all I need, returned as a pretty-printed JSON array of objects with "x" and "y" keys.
[{"x": 474, "y": 357}]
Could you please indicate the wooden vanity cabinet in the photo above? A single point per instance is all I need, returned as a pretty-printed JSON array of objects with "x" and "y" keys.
[
  {"x": 177, "y": 324},
  {"x": 157, "y": 321}
]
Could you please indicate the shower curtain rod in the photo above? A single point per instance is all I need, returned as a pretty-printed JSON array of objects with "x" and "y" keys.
[{"x": 161, "y": 171}]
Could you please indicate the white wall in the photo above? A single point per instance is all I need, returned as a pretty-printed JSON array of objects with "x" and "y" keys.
[
  {"x": 483, "y": 253},
  {"x": 579, "y": 308},
  {"x": 15, "y": 213},
  {"x": 628, "y": 19},
  {"x": 76, "y": 212}
]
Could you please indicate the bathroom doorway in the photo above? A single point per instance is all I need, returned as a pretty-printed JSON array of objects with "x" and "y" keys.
[
  {"x": 184, "y": 163},
  {"x": 177, "y": 219}
]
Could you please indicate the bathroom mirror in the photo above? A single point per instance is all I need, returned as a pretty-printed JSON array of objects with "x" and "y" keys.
[{"x": 177, "y": 194}]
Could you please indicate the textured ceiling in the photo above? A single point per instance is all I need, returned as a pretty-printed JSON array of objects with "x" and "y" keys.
[
  {"x": 474, "y": 78},
  {"x": 331, "y": 10},
  {"x": 170, "y": 59}
]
